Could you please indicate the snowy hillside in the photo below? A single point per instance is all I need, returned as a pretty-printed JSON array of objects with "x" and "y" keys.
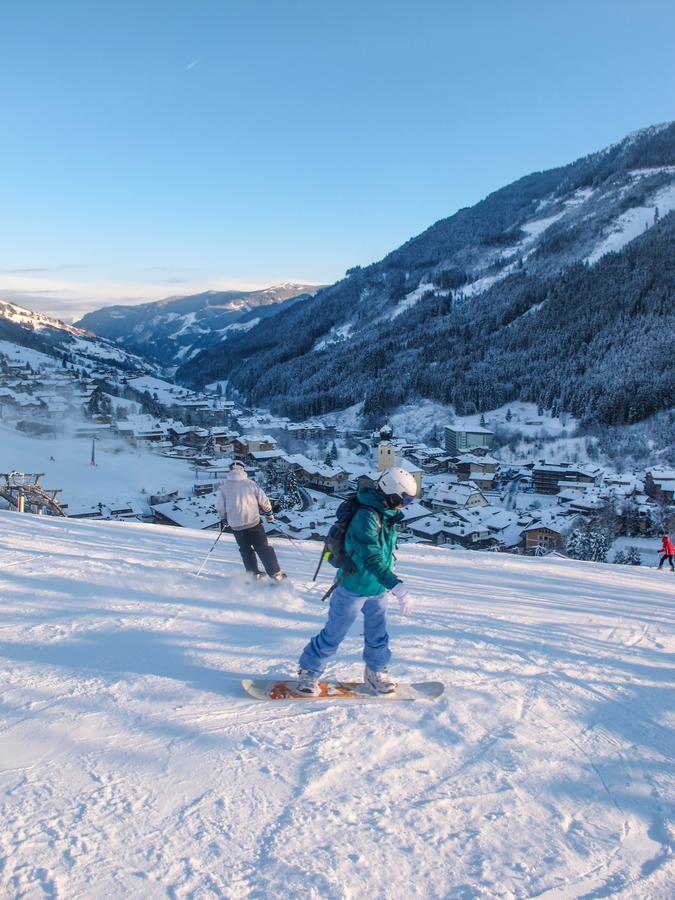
[
  {"x": 133, "y": 765},
  {"x": 24, "y": 328}
]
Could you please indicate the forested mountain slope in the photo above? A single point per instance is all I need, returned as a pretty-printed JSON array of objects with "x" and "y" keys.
[{"x": 557, "y": 287}]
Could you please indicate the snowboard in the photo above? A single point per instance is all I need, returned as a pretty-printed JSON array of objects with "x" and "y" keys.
[{"x": 269, "y": 689}]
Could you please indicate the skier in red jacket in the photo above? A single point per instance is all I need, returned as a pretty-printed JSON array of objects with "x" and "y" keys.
[{"x": 668, "y": 551}]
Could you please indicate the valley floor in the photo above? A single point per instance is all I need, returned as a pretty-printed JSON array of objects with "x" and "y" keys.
[{"x": 133, "y": 765}]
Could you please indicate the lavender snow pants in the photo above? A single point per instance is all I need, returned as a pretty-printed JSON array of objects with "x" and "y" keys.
[{"x": 344, "y": 608}]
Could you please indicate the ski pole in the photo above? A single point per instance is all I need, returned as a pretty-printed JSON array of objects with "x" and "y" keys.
[
  {"x": 210, "y": 552},
  {"x": 320, "y": 561},
  {"x": 330, "y": 590},
  {"x": 295, "y": 543}
]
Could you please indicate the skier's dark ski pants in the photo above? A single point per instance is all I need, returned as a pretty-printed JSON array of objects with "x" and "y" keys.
[
  {"x": 669, "y": 557},
  {"x": 254, "y": 540}
]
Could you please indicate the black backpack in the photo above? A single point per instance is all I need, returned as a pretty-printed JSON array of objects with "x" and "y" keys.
[{"x": 334, "y": 547}]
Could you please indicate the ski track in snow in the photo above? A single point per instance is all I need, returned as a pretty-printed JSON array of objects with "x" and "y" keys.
[{"x": 132, "y": 763}]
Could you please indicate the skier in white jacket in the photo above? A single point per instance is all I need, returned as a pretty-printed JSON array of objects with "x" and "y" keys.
[{"x": 239, "y": 502}]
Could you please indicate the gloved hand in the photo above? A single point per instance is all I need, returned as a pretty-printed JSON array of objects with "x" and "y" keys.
[
  {"x": 405, "y": 601},
  {"x": 270, "y": 518},
  {"x": 223, "y": 525}
]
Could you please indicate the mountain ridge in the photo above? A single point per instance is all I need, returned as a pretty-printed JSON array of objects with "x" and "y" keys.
[
  {"x": 506, "y": 253},
  {"x": 172, "y": 329}
]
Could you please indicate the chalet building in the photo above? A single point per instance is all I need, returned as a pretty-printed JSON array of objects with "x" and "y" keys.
[
  {"x": 117, "y": 510},
  {"x": 124, "y": 510},
  {"x": 244, "y": 444},
  {"x": 481, "y": 470},
  {"x": 458, "y": 440},
  {"x": 328, "y": 479},
  {"x": 432, "y": 460},
  {"x": 504, "y": 526},
  {"x": 413, "y": 512},
  {"x": 214, "y": 416},
  {"x": 141, "y": 427},
  {"x": 473, "y": 537},
  {"x": 308, "y": 525},
  {"x": 189, "y": 435},
  {"x": 306, "y": 431},
  {"x": 430, "y": 529},
  {"x": 223, "y": 437},
  {"x": 623, "y": 485},
  {"x": 660, "y": 484},
  {"x": 84, "y": 511},
  {"x": 450, "y": 496},
  {"x": 265, "y": 458},
  {"x": 550, "y": 479},
  {"x": 548, "y": 533},
  {"x": 325, "y": 479},
  {"x": 163, "y": 497},
  {"x": 450, "y": 530},
  {"x": 154, "y": 434}
]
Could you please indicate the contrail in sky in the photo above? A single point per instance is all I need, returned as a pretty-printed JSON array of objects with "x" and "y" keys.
[{"x": 192, "y": 64}]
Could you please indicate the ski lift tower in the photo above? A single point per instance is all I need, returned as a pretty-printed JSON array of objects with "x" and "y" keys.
[{"x": 24, "y": 494}]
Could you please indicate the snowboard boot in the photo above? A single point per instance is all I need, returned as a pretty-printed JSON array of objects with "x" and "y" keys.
[
  {"x": 308, "y": 683},
  {"x": 381, "y": 682},
  {"x": 278, "y": 576}
]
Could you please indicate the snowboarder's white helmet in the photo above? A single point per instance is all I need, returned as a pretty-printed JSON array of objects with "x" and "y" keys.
[{"x": 398, "y": 483}]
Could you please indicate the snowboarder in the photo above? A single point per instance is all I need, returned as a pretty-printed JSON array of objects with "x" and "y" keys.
[
  {"x": 668, "y": 551},
  {"x": 239, "y": 502},
  {"x": 370, "y": 541}
]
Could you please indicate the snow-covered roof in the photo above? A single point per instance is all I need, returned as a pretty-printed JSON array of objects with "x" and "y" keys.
[
  {"x": 257, "y": 438},
  {"x": 414, "y": 511},
  {"x": 469, "y": 429},
  {"x": 409, "y": 466},
  {"x": 304, "y": 426},
  {"x": 552, "y": 520},
  {"x": 474, "y": 460},
  {"x": 261, "y": 455},
  {"x": 457, "y": 494},
  {"x": 431, "y": 526},
  {"x": 192, "y": 512},
  {"x": 661, "y": 475},
  {"x": 314, "y": 468},
  {"x": 568, "y": 469},
  {"x": 587, "y": 504}
]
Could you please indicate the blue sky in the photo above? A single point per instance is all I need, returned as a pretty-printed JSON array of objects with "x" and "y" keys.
[{"x": 165, "y": 146}]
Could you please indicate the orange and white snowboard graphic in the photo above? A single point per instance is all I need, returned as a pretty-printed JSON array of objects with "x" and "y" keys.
[{"x": 268, "y": 689}]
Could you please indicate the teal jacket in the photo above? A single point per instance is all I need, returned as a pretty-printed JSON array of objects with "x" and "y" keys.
[{"x": 370, "y": 542}]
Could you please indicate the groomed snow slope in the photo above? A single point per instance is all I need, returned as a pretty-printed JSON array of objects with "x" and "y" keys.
[{"x": 132, "y": 765}]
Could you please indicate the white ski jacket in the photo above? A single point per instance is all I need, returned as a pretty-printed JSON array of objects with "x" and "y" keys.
[{"x": 239, "y": 501}]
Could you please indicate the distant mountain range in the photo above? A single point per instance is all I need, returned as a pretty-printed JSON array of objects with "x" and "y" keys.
[
  {"x": 174, "y": 330},
  {"x": 24, "y": 328},
  {"x": 556, "y": 289}
]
